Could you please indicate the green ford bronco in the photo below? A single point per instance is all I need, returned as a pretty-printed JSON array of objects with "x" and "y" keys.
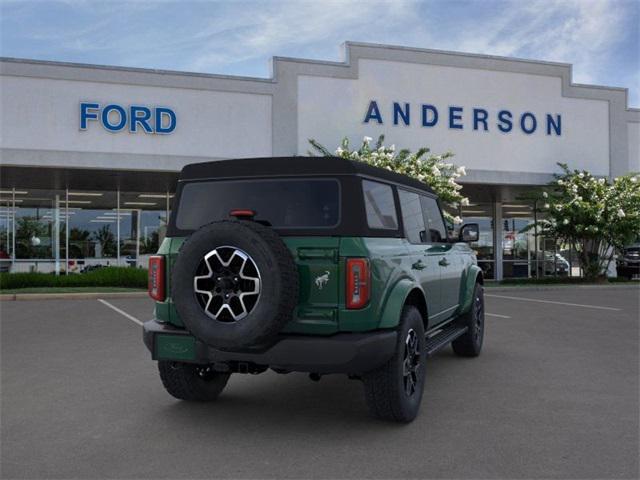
[{"x": 318, "y": 265}]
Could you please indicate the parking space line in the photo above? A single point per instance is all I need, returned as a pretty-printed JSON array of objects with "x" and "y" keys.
[
  {"x": 553, "y": 302},
  {"x": 496, "y": 315},
  {"x": 121, "y": 312}
]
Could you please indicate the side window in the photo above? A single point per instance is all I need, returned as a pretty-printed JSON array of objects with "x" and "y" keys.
[
  {"x": 380, "y": 206},
  {"x": 433, "y": 219},
  {"x": 412, "y": 216}
]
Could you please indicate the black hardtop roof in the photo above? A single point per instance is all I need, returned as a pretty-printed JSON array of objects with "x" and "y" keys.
[{"x": 292, "y": 166}]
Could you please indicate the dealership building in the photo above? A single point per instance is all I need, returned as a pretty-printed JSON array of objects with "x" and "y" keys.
[{"x": 90, "y": 154}]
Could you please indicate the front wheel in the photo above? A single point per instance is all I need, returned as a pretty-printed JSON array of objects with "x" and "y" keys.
[
  {"x": 187, "y": 381},
  {"x": 470, "y": 344},
  {"x": 394, "y": 391}
]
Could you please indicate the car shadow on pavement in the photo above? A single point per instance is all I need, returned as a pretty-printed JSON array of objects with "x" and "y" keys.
[{"x": 293, "y": 403}]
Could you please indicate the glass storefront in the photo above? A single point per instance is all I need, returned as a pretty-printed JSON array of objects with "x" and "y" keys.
[
  {"x": 482, "y": 214},
  {"x": 73, "y": 231},
  {"x": 68, "y": 231}
]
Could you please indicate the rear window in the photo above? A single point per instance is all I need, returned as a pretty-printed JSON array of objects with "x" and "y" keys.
[{"x": 283, "y": 203}]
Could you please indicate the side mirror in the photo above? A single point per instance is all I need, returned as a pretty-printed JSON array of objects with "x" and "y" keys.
[{"x": 469, "y": 232}]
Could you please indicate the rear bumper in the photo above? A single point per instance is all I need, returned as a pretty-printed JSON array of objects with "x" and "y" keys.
[
  {"x": 628, "y": 268},
  {"x": 351, "y": 353}
]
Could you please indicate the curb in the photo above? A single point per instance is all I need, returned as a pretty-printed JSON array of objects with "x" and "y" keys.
[
  {"x": 504, "y": 288},
  {"x": 8, "y": 297}
]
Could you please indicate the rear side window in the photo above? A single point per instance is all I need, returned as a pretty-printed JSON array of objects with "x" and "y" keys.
[
  {"x": 412, "y": 217},
  {"x": 380, "y": 206},
  {"x": 433, "y": 219},
  {"x": 283, "y": 203}
]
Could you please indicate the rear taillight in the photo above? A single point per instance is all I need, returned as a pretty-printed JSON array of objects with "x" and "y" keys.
[
  {"x": 357, "y": 282},
  {"x": 156, "y": 277}
]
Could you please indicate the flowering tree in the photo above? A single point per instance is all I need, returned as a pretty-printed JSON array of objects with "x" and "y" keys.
[
  {"x": 593, "y": 215},
  {"x": 433, "y": 170}
]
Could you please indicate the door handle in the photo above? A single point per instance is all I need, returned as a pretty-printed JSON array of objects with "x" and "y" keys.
[
  {"x": 443, "y": 262},
  {"x": 418, "y": 265}
]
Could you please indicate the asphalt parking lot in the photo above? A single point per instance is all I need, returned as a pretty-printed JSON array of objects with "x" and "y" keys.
[{"x": 553, "y": 395}]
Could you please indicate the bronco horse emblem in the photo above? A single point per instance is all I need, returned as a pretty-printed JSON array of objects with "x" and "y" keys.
[{"x": 321, "y": 280}]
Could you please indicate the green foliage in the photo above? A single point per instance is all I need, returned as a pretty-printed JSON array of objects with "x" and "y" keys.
[
  {"x": 434, "y": 170},
  {"x": 592, "y": 214},
  {"x": 101, "y": 277},
  {"x": 105, "y": 237}
]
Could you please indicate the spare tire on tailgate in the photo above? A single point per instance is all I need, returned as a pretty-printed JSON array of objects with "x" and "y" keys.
[{"x": 234, "y": 284}]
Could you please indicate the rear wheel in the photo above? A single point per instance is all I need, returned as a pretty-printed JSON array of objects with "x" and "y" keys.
[
  {"x": 187, "y": 381},
  {"x": 394, "y": 391},
  {"x": 470, "y": 344}
]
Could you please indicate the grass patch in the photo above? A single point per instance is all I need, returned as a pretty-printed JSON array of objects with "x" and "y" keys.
[{"x": 121, "y": 277}]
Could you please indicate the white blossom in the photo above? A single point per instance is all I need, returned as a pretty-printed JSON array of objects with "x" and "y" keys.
[
  {"x": 560, "y": 182},
  {"x": 339, "y": 151},
  {"x": 392, "y": 148},
  {"x": 457, "y": 220},
  {"x": 461, "y": 170},
  {"x": 621, "y": 213},
  {"x": 545, "y": 194},
  {"x": 464, "y": 202},
  {"x": 565, "y": 221},
  {"x": 546, "y": 205},
  {"x": 367, "y": 140}
]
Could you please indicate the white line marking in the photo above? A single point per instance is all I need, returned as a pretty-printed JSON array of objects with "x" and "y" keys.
[
  {"x": 121, "y": 312},
  {"x": 496, "y": 315},
  {"x": 555, "y": 303}
]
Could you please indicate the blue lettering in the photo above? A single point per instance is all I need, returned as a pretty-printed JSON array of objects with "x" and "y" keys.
[
  {"x": 556, "y": 125},
  {"x": 455, "y": 113},
  {"x": 373, "y": 112},
  {"x": 139, "y": 115},
  {"x": 505, "y": 124},
  {"x": 425, "y": 116},
  {"x": 399, "y": 112},
  {"x": 86, "y": 114},
  {"x": 105, "y": 118},
  {"x": 480, "y": 116},
  {"x": 523, "y": 123},
  {"x": 162, "y": 112}
]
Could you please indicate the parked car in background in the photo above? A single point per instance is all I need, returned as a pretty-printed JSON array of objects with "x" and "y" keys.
[
  {"x": 5, "y": 262},
  {"x": 628, "y": 262}
]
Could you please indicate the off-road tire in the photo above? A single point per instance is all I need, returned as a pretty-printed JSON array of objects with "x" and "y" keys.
[
  {"x": 470, "y": 344},
  {"x": 279, "y": 284},
  {"x": 384, "y": 388},
  {"x": 191, "y": 382}
]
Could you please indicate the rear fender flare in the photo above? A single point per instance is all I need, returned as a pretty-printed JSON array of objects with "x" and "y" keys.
[{"x": 395, "y": 302}]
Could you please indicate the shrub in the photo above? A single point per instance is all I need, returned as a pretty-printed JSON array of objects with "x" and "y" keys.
[
  {"x": 593, "y": 215},
  {"x": 102, "y": 277}
]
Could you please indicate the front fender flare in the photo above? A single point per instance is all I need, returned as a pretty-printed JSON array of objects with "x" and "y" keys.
[
  {"x": 467, "y": 286},
  {"x": 395, "y": 302}
]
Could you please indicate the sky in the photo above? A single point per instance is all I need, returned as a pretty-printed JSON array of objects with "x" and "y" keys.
[{"x": 600, "y": 38}]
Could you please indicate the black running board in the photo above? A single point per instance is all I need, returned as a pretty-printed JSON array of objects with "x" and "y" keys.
[{"x": 443, "y": 338}]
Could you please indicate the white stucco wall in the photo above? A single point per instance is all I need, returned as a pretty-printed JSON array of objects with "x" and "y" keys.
[
  {"x": 43, "y": 114},
  {"x": 329, "y": 108},
  {"x": 633, "y": 136}
]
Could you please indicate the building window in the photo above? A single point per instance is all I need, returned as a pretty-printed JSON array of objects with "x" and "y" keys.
[{"x": 73, "y": 231}]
